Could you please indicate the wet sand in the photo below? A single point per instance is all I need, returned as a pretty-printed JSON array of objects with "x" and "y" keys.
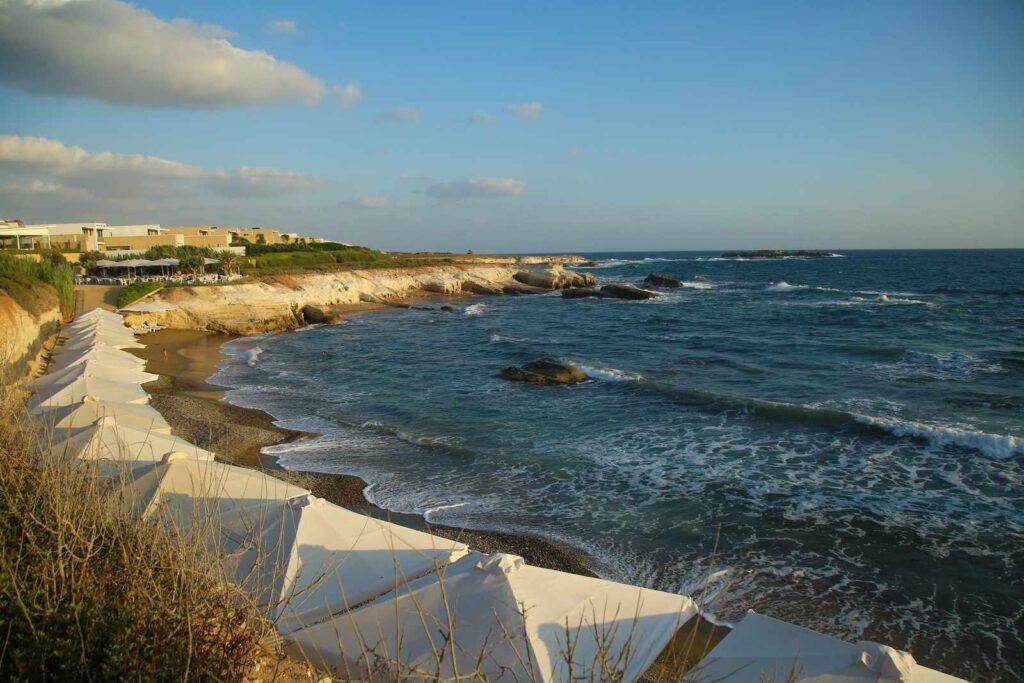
[{"x": 186, "y": 359}]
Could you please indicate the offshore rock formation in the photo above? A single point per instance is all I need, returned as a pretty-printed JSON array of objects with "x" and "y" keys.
[
  {"x": 776, "y": 253},
  {"x": 662, "y": 280},
  {"x": 545, "y": 371}
]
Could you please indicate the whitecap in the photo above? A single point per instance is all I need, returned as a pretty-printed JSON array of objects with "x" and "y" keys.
[
  {"x": 475, "y": 309},
  {"x": 1001, "y": 446},
  {"x": 783, "y": 286},
  {"x": 609, "y": 374},
  {"x": 252, "y": 356}
]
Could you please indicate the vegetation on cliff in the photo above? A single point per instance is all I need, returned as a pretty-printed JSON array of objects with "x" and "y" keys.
[
  {"x": 38, "y": 286},
  {"x": 88, "y": 594}
]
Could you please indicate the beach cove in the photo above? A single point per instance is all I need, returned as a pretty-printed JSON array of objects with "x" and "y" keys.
[{"x": 827, "y": 464}]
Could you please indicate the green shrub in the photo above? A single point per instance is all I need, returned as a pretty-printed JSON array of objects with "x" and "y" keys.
[
  {"x": 135, "y": 291},
  {"x": 38, "y": 286}
]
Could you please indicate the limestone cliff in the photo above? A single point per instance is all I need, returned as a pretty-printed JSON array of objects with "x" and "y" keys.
[
  {"x": 22, "y": 333},
  {"x": 276, "y": 302}
]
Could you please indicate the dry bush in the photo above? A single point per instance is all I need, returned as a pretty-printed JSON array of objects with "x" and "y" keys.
[{"x": 89, "y": 594}]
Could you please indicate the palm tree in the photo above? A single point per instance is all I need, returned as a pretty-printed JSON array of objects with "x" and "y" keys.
[{"x": 228, "y": 261}]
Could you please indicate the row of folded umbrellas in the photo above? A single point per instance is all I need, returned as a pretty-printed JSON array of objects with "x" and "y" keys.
[{"x": 355, "y": 594}]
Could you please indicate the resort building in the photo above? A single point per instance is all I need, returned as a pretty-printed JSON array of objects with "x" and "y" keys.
[{"x": 85, "y": 236}]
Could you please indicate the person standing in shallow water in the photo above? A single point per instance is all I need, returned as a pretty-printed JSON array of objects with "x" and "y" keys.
[{"x": 166, "y": 357}]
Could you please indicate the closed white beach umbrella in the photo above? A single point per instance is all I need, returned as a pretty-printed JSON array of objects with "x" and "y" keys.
[
  {"x": 98, "y": 331},
  {"x": 307, "y": 559},
  {"x": 112, "y": 357},
  {"x": 83, "y": 341},
  {"x": 95, "y": 326},
  {"x": 761, "y": 647},
  {"x": 107, "y": 440},
  {"x": 92, "y": 368},
  {"x": 181, "y": 488},
  {"x": 102, "y": 389},
  {"x": 90, "y": 409},
  {"x": 98, "y": 313},
  {"x": 471, "y": 613}
]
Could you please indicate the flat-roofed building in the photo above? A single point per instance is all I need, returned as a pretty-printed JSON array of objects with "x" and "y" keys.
[{"x": 85, "y": 236}]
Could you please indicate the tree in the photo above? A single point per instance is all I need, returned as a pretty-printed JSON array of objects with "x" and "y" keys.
[
  {"x": 260, "y": 239},
  {"x": 191, "y": 263},
  {"x": 228, "y": 261}
]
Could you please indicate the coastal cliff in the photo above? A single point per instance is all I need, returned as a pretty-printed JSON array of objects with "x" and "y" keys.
[
  {"x": 276, "y": 303},
  {"x": 24, "y": 332}
]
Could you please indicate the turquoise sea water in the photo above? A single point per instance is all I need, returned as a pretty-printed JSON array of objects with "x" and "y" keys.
[{"x": 837, "y": 442}]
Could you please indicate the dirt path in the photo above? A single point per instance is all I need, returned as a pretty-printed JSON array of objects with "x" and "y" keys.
[{"x": 88, "y": 297}]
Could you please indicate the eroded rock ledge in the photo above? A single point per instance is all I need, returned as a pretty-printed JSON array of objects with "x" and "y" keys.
[{"x": 284, "y": 302}]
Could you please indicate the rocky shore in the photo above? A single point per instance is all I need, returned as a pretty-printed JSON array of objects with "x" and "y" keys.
[{"x": 286, "y": 302}]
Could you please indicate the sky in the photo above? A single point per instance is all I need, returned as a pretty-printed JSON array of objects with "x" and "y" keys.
[{"x": 523, "y": 126}]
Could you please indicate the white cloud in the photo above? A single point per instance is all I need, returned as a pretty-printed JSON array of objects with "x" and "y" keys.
[
  {"x": 483, "y": 117},
  {"x": 34, "y": 186},
  {"x": 527, "y": 110},
  {"x": 348, "y": 94},
  {"x": 258, "y": 182},
  {"x": 476, "y": 188},
  {"x": 366, "y": 203},
  {"x": 282, "y": 26},
  {"x": 113, "y": 175},
  {"x": 112, "y": 51},
  {"x": 402, "y": 115}
]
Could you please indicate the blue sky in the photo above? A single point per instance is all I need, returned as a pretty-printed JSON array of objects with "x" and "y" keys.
[{"x": 653, "y": 125}]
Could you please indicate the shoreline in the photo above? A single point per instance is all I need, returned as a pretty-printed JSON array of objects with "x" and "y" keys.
[{"x": 198, "y": 411}]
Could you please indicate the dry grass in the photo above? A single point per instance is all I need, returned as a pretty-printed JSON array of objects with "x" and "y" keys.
[{"x": 89, "y": 594}]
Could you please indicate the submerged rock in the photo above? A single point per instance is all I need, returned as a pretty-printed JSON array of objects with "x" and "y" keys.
[
  {"x": 545, "y": 371},
  {"x": 584, "y": 292},
  {"x": 662, "y": 280},
  {"x": 628, "y": 292}
]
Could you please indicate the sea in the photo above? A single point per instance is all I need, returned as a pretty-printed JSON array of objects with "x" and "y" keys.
[{"x": 837, "y": 442}]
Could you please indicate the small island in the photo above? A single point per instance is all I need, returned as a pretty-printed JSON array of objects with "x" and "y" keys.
[{"x": 776, "y": 253}]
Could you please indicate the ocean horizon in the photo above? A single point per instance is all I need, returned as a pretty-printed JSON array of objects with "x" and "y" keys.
[{"x": 836, "y": 441}]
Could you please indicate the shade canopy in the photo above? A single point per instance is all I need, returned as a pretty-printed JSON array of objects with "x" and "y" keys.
[
  {"x": 97, "y": 313},
  {"x": 306, "y": 559},
  {"x": 90, "y": 409},
  {"x": 97, "y": 368},
  {"x": 97, "y": 352},
  {"x": 762, "y": 646},
  {"x": 107, "y": 440},
  {"x": 102, "y": 389},
  {"x": 182, "y": 488},
  {"x": 81, "y": 341},
  {"x": 83, "y": 324},
  {"x": 97, "y": 329},
  {"x": 478, "y": 603}
]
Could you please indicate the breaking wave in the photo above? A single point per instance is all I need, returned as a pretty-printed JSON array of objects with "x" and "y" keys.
[
  {"x": 252, "y": 356},
  {"x": 475, "y": 309}
]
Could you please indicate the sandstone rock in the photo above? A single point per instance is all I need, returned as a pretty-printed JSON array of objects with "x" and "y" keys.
[
  {"x": 662, "y": 280},
  {"x": 482, "y": 288},
  {"x": 553, "y": 276},
  {"x": 628, "y": 292},
  {"x": 316, "y": 315},
  {"x": 545, "y": 372}
]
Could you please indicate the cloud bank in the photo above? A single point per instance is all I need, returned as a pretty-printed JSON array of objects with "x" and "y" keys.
[
  {"x": 115, "y": 52},
  {"x": 98, "y": 176},
  {"x": 476, "y": 188}
]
